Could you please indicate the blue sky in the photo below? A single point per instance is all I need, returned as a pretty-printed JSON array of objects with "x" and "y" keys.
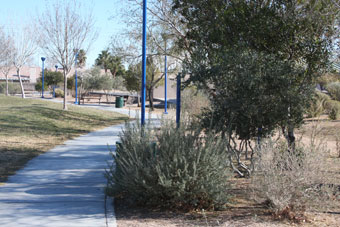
[{"x": 16, "y": 11}]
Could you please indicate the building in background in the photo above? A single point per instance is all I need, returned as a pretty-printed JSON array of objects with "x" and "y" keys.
[{"x": 29, "y": 74}]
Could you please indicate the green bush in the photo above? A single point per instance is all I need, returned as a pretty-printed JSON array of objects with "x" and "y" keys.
[
  {"x": 38, "y": 85},
  {"x": 318, "y": 104},
  {"x": 334, "y": 90},
  {"x": 71, "y": 82},
  {"x": 59, "y": 93},
  {"x": 327, "y": 78},
  {"x": 170, "y": 167},
  {"x": 13, "y": 88},
  {"x": 335, "y": 112},
  {"x": 332, "y": 108},
  {"x": 118, "y": 83}
]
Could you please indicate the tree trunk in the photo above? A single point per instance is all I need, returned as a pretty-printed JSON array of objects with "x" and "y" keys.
[
  {"x": 113, "y": 72},
  {"x": 151, "y": 99},
  {"x": 138, "y": 100},
  {"x": 21, "y": 85},
  {"x": 6, "y": 84},
  {"x": 291, "y": 138},
  {"x": 288, "y": 132},
  {"x": 65, "y": 91}
]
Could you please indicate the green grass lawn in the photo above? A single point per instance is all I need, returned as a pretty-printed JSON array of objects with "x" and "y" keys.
[{"x": 30, "y": 127}]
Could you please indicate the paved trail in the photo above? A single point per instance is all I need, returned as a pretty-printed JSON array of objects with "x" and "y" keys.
[{"x": 64, "y": 186}]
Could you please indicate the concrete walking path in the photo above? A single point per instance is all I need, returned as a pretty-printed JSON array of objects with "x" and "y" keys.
[{"x": 64, "y": 186}]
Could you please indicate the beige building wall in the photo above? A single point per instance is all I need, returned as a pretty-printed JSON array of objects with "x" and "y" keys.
[
  {"x": 171, "y": 94},
  {"x": 29, "y": 74}
]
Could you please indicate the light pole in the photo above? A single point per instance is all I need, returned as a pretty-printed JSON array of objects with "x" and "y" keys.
[
  {"x": 42, "y": 78},
  {"x": 178, "y": 100},
  {"x": 76, "y": 79},
  {"x": 143, "y": 63},
  {"x": 165, "y": 88},
  {"x": 56, "y": 70}
]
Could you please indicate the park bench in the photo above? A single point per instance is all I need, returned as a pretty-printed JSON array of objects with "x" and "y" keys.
[{"x": 90, "y": 96}]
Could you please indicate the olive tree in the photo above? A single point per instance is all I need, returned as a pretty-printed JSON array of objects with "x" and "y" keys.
[{"x": 259, "y": 59}]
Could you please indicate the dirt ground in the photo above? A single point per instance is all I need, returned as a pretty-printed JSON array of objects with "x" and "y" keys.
[{"x": 242, "y": 210}]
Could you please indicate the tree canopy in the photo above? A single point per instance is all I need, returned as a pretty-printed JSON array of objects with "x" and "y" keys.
[
  {"x": 110, "y": 62},
  {"x": 154, "y": 78},
  {"x": 259, "y": 59}
]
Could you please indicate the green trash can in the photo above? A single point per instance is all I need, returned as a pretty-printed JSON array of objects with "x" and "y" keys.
[{"x": 119, "y": 102}]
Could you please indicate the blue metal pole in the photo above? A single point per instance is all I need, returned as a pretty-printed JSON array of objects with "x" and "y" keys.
[
  {"x": 76, "y": 79},
  {"x": 178, "y": 101},
  {"x": 165, "y": 88},
  {"x": 56, "y": 69},
  {"x": 42, "y": 78},
  {"x": 143, "y": 90}
]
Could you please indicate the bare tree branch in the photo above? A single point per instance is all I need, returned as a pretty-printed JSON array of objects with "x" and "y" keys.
[{"x": 65, "y": 29}]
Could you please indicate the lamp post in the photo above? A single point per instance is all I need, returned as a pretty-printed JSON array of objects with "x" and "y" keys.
[
  {"x": 56, "y": 70},
  {"x": 42, "y": 78},
  {"x": 165, "y": 87},
  {"x": 178, "y": 100},
  {"x": 76, "y": 79},
  {"x": 143, "y": 64}
]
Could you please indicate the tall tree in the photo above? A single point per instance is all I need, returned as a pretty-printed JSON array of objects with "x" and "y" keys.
[
  {"x": 258, "y": 58},
  {"x": 110, "y": 62},
  {"x": 103, "y": 60},
  {"x": 154, "y": 77},
  {"x": 64, "y": 27},
  {"x": 6, "y": 55},
  {"x": 132, "y": 80},
  {"x": 163, "y": 30},
  {"x": 163, "y": 24},
  {"x": 25, "y": 46},
  {"x": 115, "y": 65},
  {"x": 81, "y": 59}
]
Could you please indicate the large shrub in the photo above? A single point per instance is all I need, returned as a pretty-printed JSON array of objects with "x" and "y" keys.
[
  {"x": 327, "y": 78},
  {"x": 332, "y": 108},
  {"x": 13, "y": 88},
  {"x": 292, "y": 182},
  {"x": 38, "y": 85},
  {"x": 170, "y": 167},
  {"x": 318, "y": 104},
  {"x": 59, "y": 93},
  {"x": 334, "y": 90},
  {"x": 118, "y": 83}
]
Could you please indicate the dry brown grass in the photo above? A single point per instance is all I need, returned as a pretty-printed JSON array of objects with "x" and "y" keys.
[{"x": 30, "y": 127}]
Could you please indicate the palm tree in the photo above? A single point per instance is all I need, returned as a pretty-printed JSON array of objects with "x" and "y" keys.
[
  {"x": 104, "y": 60},
  {"x": 116, "y": 67},
  {"x": 81, "y": 60}
]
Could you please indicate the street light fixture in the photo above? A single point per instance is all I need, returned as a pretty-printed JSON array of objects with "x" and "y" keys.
[
  {"x": 76, "y": 79},
  {"x": 42, "y": 79}
]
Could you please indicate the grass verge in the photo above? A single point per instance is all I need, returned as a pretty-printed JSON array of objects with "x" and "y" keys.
[{"x": 30, "y": 127}]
